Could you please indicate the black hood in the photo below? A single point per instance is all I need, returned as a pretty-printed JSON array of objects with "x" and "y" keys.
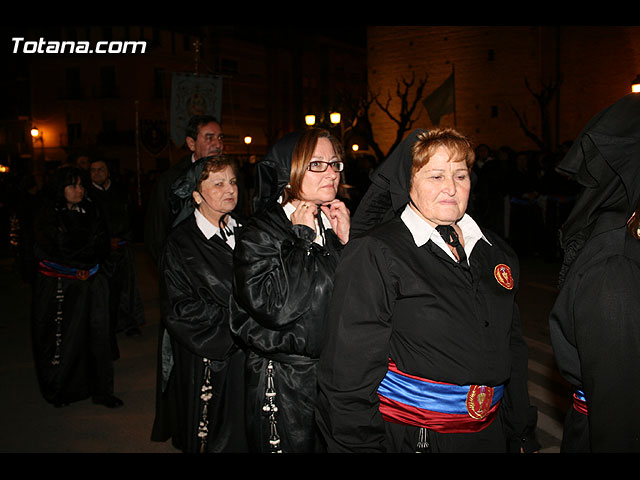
[
  {"x": 605, "y": 161},
  {"x": 183, "y": 189},
  {"x": 389, "y": 190},
  {"x": 274, "y": 171},
  {"x": 395, "y": 172}
]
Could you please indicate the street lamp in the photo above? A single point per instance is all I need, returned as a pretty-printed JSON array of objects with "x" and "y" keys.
[
  {"x": 35, "y": 132},
  {"x": 310, "y": 119},
  {"x": 635, "y": 85},
  {"x": 334, "y": 117}
]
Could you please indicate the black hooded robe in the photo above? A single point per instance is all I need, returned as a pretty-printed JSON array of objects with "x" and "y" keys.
[
  {"x": 595, "y": 324},
  {"x": 282, "y": 285},
  {"x": 82, "y": 366},
  {"x": 416, "y": 307},
  {"x": 195, "y": 281}
]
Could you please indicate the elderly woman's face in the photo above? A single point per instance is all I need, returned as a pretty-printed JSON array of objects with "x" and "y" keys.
[
  {"x": 321, "y": 187},
  {"x": 440, "y": 189},
  {"x": 219, "y": 192}
]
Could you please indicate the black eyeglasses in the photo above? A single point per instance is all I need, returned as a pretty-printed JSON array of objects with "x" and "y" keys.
[{"x": 319, "y": 166}]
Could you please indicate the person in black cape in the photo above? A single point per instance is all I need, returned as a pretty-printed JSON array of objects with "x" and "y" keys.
[
  {"x": 204, "y": 367},
  {"x": 424, "y": 350},
  {"x": 594, "y": 324},
  {"x": 70, "y": 307},
  {"x": 284, "y": 262},
  {"x": 125, "y": 300},
  {"x": 204, "y": 137}
]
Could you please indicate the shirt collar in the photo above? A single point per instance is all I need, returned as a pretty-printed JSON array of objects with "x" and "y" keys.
[
  {"x": 209, "y": 230},
  {"x": 105, "y": 186},
  {"x": 422, "y": 232}
]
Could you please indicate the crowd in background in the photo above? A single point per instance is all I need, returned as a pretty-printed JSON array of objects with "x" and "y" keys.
[{"x": 517, "y": 194}]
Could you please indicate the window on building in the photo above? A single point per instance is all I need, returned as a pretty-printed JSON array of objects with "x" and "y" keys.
[
  {"x": 73, "y": 86},
  {"x": 108, "y": 87},
  {"x": 74, "y": 134}
]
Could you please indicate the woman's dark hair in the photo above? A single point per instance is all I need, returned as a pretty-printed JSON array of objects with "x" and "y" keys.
[
  {"x": 215, "y": 164},
  {"x": 63, "y": 177},
  {"x": 302, "y": 154}
]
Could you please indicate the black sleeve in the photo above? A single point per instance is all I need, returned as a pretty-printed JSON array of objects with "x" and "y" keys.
[
  {"x": 356, "y": 352},
  {"x": 607, "y": 332},
  {"x": 275, "y": 279},
  {"x": 195, "y": 315}
]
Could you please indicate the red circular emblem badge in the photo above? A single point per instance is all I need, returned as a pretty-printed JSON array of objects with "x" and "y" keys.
[
  {"x": 502, "y": 273},
  {"x": 478, "y": 401},
  {"x": 82, "y": 274}
]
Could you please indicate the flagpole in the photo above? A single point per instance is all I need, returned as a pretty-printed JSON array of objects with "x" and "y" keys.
[
  {"x": 453, "y": 73},
  {"x": 136, "y": 102}
]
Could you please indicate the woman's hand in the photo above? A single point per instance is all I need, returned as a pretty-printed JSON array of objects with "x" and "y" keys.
[
  {"x": 340, "y": 218},
  {"x": 304, "y": 214}
]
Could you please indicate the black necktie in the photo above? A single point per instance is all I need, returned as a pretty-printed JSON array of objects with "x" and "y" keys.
[{"x": 451, "y": 237}]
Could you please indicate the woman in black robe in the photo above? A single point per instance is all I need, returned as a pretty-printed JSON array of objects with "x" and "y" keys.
[
  {"x": 205, "y": 366},
  {"x": 283, "y": 275},
  {"x": 594, "y": 324},
  {"x": 70, "y": 312},
  {"x": 424, "y": 350}
]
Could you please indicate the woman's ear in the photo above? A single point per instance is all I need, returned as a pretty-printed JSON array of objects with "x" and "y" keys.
[{"x": 196, "y": 197}]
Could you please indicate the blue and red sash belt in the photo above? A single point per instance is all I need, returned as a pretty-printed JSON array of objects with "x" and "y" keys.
[
  {"x": 438, "y": 406},
  {"x": 580, "y": 402},
  {"x": 52, "y": 269}
]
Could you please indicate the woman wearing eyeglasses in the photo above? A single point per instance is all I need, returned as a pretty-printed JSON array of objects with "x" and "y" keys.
[{"x": 284, "y": 262}]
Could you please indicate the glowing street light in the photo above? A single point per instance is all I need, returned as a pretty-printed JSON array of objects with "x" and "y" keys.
[
  {"x": 310, "y": 119},
  {"x": 635, "y": 85},
  {"x": 247, "y": 139},
  {"x": 334, "y": 117},
  {"x": 35, "y": 132}
]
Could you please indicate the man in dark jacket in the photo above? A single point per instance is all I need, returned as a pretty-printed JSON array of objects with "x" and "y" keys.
[{"x": 204, "y": 138}]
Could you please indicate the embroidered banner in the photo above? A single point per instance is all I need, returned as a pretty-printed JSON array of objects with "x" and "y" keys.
[{"x": 193, "y": 95}]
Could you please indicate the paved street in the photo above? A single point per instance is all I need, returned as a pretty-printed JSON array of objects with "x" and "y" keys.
[{"x": 31, "y": 425}]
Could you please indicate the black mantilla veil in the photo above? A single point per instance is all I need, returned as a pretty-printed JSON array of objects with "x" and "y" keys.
[
  {"x": 274, "y": 171},
  {"x": 605, "y": 161},
  {"x": 389, "y": 190}
]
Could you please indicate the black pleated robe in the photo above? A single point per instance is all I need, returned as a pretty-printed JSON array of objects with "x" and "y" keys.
[
  {"x": 195, "y": 285},
  {"x": 76, "y": 239},
  {"x": 282, "y": 284}
]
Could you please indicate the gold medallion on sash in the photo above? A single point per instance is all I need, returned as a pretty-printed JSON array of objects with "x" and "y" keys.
[{"x": 478, "y": 401}]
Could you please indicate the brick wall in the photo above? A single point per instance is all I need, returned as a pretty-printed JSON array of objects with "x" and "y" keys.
[{"x": 491, "y": 65}]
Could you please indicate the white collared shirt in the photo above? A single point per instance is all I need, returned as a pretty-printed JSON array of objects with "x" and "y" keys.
[
  {"x": 422, "y": 232},
  {"x": 209, "y": 230},
  {"x": 289, "y": 209}
]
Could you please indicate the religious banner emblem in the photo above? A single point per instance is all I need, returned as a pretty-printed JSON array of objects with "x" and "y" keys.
[
  {"x": 502, "y": 273},
  {"x": 478, "y": 401},
  {"x": 153, "y": 135},
  {"x": 193, "y": 95}
]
